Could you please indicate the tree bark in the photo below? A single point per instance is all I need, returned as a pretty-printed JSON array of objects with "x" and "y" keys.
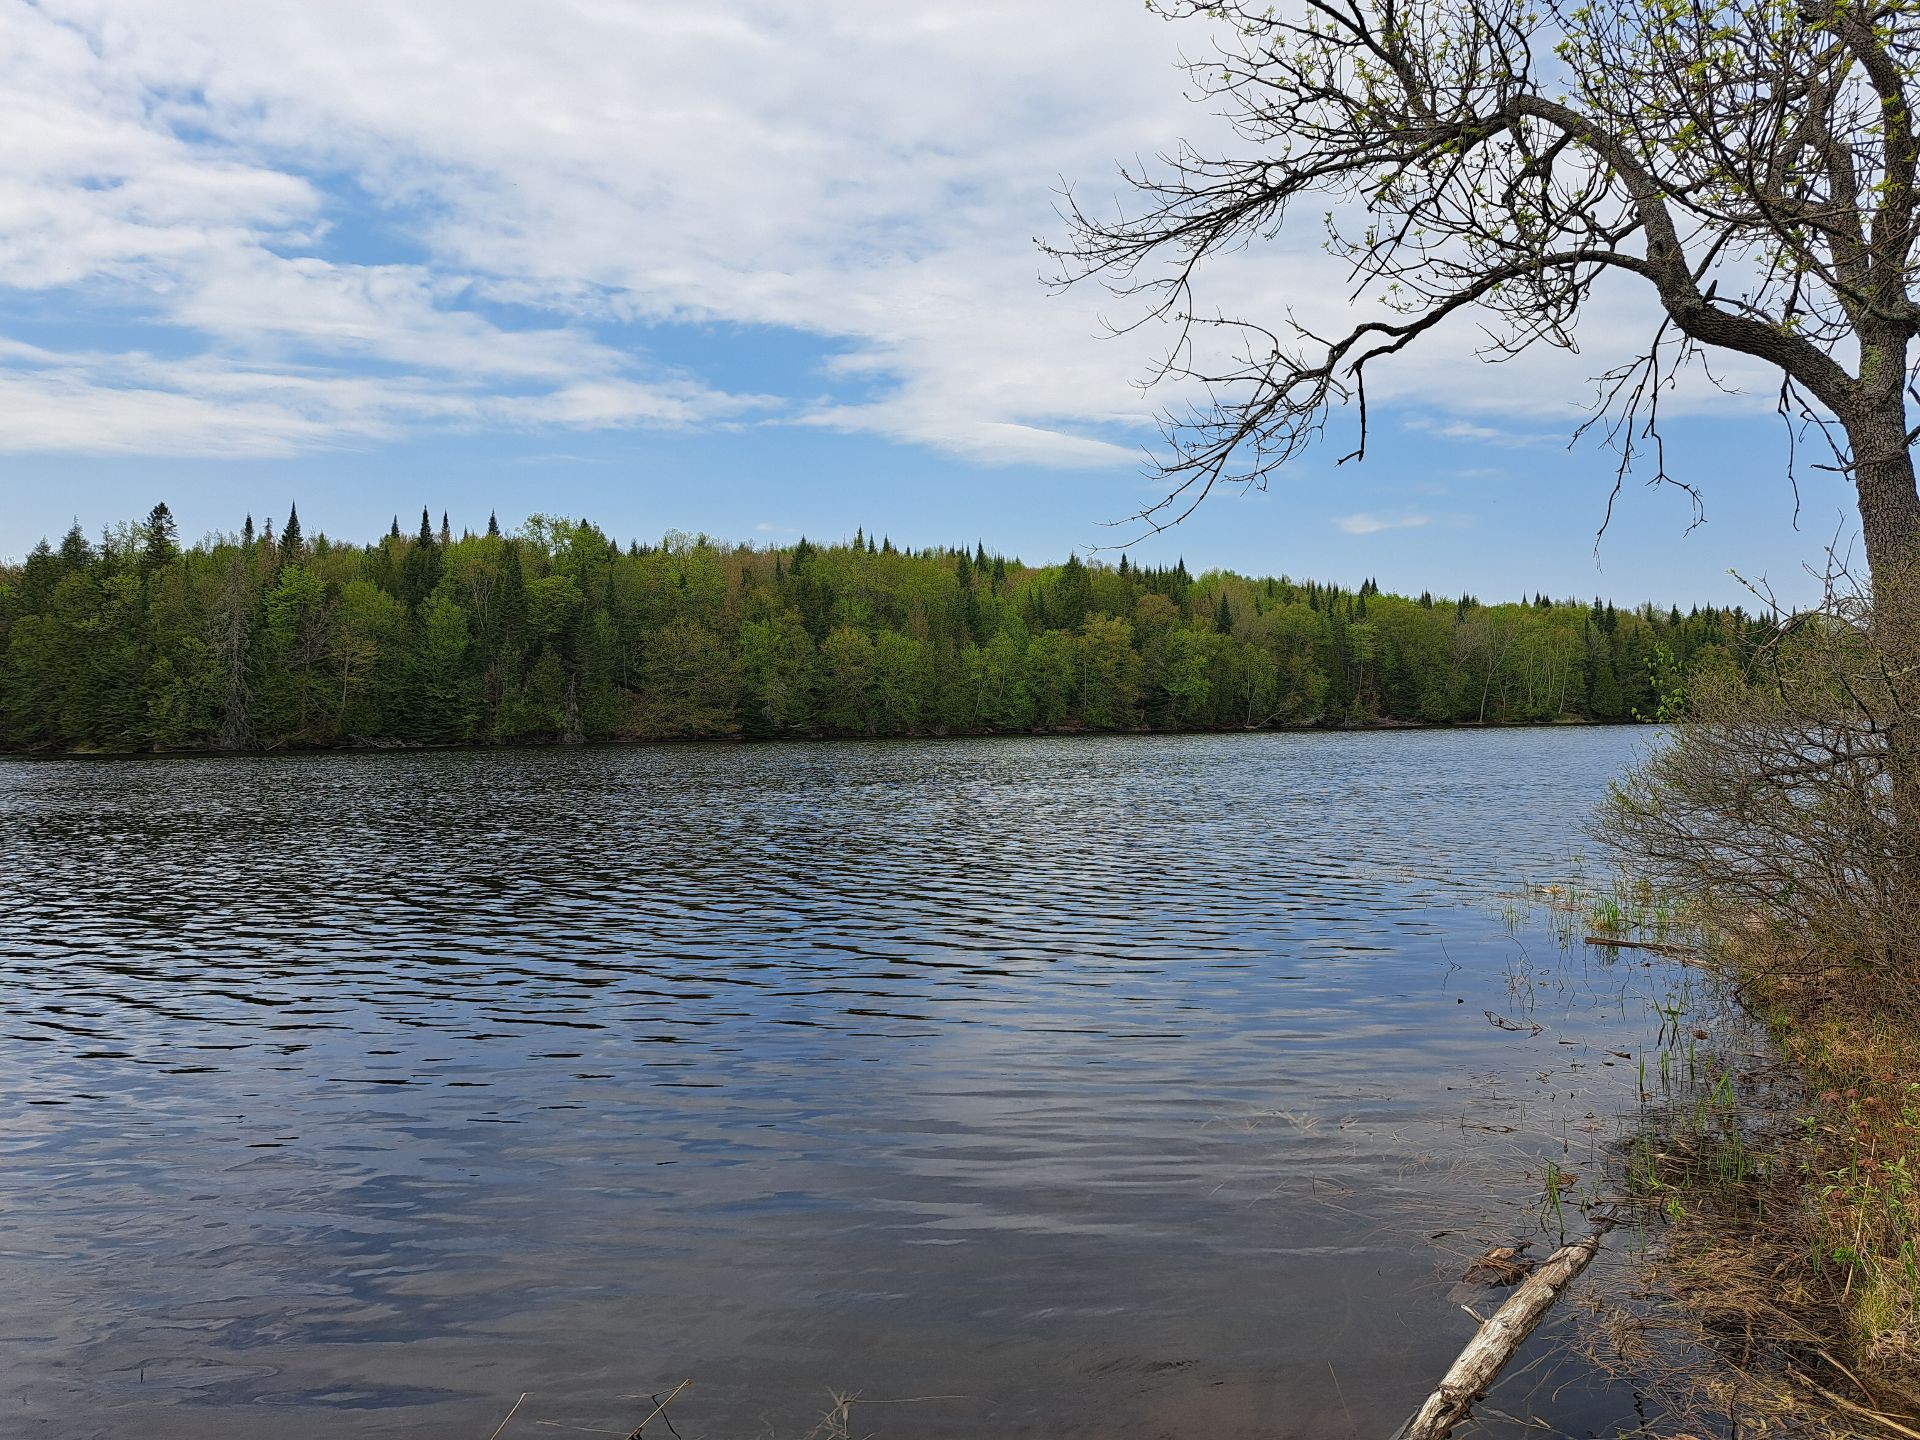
[{"x": 1884, "y": 483}]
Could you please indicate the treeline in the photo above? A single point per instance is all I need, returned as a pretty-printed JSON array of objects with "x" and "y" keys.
[{"x": 556, "y": 633}]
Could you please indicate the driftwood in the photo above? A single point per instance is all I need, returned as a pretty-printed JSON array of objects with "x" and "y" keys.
[
  {"x": 1671, "y": 952},
  {"x": 1468, "y": 1378}
]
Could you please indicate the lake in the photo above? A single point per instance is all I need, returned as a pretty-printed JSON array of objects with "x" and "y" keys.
[{"x": 1117, "y": 1086}]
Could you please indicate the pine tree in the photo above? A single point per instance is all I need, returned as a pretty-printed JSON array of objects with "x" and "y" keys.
[
  {"x": 162, "y": 540},
  {"x": 246, "y": 532},
  {"x": 420, "y": 571},
  {"x": 290, "y": 537},
  {"x": 1223, "y": 616},
  {"x": 446, "y": 530},
  {"x": 513, "y": 595},
  {"x": 76, "y": 551},
  {"x": 493, "y": 525},
  {"x": 394, "y": 533}
]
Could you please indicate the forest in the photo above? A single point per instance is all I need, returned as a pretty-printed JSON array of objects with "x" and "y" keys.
[{"x": 556, "y": 633}]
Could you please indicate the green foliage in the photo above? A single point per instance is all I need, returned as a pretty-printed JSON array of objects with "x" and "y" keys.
[{"x": 558, "y": 634}]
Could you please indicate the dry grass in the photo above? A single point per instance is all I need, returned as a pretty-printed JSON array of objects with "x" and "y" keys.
[
  {"x": 1856, "y": 1040},
  {"x": 1778, "y": 1285}
]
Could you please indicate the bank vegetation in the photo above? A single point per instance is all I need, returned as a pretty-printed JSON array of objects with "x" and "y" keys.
[
  {"x": 248, "y": 641},
  {"x": 1783, "y": 808}
]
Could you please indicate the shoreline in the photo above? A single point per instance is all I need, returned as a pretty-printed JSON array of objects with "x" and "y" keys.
[
  {"x": 379, "y": 747},
  {"x": 1772, "y": 1187}
]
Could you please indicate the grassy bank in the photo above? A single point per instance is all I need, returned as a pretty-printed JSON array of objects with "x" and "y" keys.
[
  {"x": 1852, "y": 1037},
  {"x": 1774, "y": 1170}
]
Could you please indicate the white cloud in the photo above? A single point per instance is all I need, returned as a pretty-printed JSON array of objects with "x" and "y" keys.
[
  {"x": 1472, "y": 430},
  {"x": 133, "y": 404},
  {"x": 1370, "y": 523},
  {"x": 356, "y": 219}
]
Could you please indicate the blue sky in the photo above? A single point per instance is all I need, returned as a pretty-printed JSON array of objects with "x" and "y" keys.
[{"x": 754, "y": 270}]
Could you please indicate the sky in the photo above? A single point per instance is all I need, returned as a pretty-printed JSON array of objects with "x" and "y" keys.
[{"x": 753, "y": 270}]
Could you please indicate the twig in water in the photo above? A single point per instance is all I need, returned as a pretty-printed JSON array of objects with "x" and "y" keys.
[
  {"x": 510, "y": 1414},
  {"x": 1343, "y": 1397},
  {"x": 1524, "y": 1027},
  {"x": 634, "y": 1434}
]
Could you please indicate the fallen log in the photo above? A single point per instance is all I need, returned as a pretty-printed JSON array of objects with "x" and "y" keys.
[
  {"x": 1469, "y": 1377},
  {"x": 1671, "y": 952}
]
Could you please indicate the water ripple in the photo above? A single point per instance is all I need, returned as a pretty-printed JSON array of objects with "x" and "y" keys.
[{"x": 1091, "y": 1075}]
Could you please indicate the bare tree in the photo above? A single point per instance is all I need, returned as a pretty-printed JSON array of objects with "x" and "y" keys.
[{"x": 1750, "y": 162}]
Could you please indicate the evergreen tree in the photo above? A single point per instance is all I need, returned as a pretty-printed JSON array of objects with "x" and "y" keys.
[
  {"x": 161, "y": 538},
  {"x": 76, "y": 551},
  {"x": 420, "y": 570},
  {"x": 290, "y": 536}
]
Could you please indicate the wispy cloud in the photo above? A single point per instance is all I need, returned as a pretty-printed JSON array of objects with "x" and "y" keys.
[
  {"x": 1478, "y": 432},
  {"x": 1369, "y": 522}
]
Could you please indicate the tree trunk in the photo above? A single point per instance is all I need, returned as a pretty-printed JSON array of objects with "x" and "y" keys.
[
  {"x": 1890, "y": 528},
  {"x": 571, "y": 718},
  {"x": 1884, "y": 482}
]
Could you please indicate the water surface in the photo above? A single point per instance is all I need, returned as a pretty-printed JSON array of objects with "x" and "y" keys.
[{"x": 1110, "y": 1087}]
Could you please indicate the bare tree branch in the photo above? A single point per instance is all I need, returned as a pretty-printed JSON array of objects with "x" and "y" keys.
[{"x": 1752, "y": 164}]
